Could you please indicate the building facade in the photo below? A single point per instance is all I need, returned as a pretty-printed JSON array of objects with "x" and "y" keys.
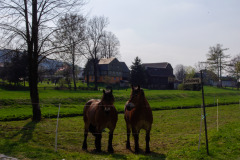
[
  {"x": 109, "y": 71},
  {"x": 159, "y": 75}
]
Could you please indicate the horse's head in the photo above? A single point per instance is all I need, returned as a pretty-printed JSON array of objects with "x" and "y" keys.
[
  {"x": 137, "y": 95},
  {"x": 107, "y": 100}
]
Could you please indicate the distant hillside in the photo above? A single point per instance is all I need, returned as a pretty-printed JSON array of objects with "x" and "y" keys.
[{"x": 6, "y": 55}]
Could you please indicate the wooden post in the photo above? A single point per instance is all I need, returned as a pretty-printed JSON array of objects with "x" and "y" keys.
[
  {"x": 204, "y": 113},
  {"x": 199, "y": 142},
  {"x": 217, "y": 114},
  {"x": 57, "y": 128}
]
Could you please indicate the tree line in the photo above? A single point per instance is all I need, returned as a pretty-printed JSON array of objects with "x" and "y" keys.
[
  {"x": 53, "y": 28},
  {"x": 217, "y": 62}
]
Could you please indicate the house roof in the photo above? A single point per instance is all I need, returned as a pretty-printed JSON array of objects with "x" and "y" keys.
[
  {"x": 163, "y": 69},
  {"x": 124, "y": 67},
  {"x": 106, "y": 60},
  {"x": 155, "y": 65}
]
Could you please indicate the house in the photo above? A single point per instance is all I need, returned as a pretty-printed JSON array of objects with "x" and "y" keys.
[
  {"x": 209, "y": 77},
  {"x": 159, "y": 75},
  {"x": 229, "y": 82},
  {"x": 109, "y": 70}
]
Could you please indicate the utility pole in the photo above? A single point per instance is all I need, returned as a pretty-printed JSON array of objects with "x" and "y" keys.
[{"x": 220, "y": 56}]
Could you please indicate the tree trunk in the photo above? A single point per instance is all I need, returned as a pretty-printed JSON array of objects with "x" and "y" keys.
[
  {"x": 95, "y": 74},
  {"x": 33, "y": 82},
  {"x": 73, "y": 67},
  {"x": 87, "y": 79},
  {"x": 74, "y": 77},
  {"x": 33, "y": 68}
]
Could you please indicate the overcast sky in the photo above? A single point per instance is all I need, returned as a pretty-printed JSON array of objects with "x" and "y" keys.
[{"x": 174, "y": 31}]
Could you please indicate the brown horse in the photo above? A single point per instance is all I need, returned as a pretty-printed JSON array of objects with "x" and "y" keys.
[
  {"x": 100, "y": 114},
  {"x": 138, "y": 115}
]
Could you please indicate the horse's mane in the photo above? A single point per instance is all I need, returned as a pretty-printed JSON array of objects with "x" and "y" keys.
[
  {"x": 107, "y": 96},
  {"x": 143, "y": 99}
]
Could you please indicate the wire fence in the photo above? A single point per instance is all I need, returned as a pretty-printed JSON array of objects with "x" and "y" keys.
[{"x": 64, "y": 134}]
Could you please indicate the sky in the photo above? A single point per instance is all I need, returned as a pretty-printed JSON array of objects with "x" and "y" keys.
[{"x": 173, "y": 31}]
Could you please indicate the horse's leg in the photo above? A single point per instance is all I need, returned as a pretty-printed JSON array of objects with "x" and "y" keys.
[
  {"x": 98, "y": 137},
  {"x": 84, "y": 146},
  {"x": 110, "y": 148},
  {"x": 135, "y": 133},
  {"x": 147, "y": 141},
  {"x": 128, "y": 136}
]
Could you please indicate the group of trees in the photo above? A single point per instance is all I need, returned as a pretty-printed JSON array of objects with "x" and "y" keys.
[
  {"x": 137, "y": 74},
  {"x": 80, "y": 38},
  {"x": 45, "y": 28},
  {"x": 216, "y": 63},
  {"x": 15, "y": 67}
]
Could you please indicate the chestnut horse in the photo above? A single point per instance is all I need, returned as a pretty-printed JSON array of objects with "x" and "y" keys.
[
  {"x": 100, "y": 114},
  {"x": 138, "y": 115}
]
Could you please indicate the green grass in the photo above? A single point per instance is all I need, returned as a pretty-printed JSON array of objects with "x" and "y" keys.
[
  {"x": 14, "y": 104},
  {"x": 174, "y": 135}
]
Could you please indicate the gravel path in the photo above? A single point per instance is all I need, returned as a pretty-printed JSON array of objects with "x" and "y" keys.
[{"x": 4, "y": 157}]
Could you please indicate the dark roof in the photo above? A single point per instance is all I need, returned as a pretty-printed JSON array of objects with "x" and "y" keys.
[
  {"x": 155, "y": 65},
  {"x": 159, "y": 69},
  {"x": 228, "y": 79},
  {"x": 162, "y": 72},
  {"x": 124, "y": 67},
  {"x": 103, "y": 67}
]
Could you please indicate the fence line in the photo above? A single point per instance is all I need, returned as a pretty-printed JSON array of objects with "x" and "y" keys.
[
  {"x": 57, "y": 129},
  {"x": 217, "y": 114}
]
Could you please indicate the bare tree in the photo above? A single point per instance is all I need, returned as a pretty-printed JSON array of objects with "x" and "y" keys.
[
  {"x": 201, "y": 66},
  {"x": 110, "y": 45},
  {"x": 234, "y": 68},
  {"x": 217, "y": 60},
  {"x": 29, "y": 24},
  {"x": 180, "y": 72},
  {"x": 70, "y": 35},
  {"x": 92, "y": 47}
]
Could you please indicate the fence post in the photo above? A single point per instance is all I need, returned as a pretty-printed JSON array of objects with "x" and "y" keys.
[
  {"x": 217, "y": 114},
  {"x": 57, "y": 129},
  {"x": 199, "y": 143},
  {"x": 204, "y": 113}
]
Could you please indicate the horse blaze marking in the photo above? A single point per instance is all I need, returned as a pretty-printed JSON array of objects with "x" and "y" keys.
[
  {"x": 97, "y": 115},
  {"x": 138, "y": 115}
]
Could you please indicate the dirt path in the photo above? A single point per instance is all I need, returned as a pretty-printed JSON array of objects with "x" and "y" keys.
[{"x": 4, "y": 157}]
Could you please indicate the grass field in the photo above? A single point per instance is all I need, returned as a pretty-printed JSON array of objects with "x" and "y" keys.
[
  {"x": 175, "y": 131},
  {"x": 174, "y": 135},
  {"x": 15, "y": 105}
]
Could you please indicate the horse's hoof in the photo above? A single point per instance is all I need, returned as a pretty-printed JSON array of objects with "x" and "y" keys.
[
  {"x": 147, "y": 151},
  {"x": 110, "y": 150},
  {"x": 98, "y": 150},
  {"x": 136, "y": 151},
  {"x": 84, "y": 147}
]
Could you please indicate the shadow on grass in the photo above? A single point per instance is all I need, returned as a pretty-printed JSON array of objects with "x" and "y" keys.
[
  {"x": 141, "y": 154},
  {"x": 26, "y": 134}
]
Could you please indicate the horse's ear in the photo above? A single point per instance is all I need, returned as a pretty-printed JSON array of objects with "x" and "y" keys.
[
  {"x": 104, "y": 91},
  {"x": 138, "y": 87},
  {"x": 132, "y": 87}
]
